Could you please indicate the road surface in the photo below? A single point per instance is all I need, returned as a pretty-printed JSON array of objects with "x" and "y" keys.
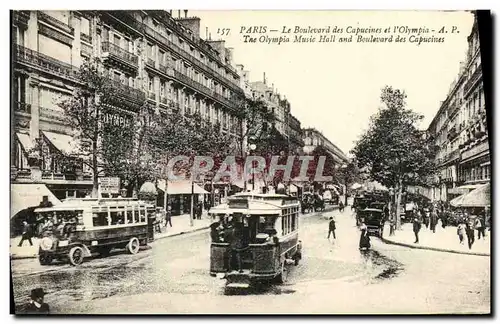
[{"x": 334, "y": 277}]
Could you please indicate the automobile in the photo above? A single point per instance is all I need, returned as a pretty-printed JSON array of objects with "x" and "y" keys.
[
  {"x": 92, "y": 225},
  {"x": 374, "y": 220}
]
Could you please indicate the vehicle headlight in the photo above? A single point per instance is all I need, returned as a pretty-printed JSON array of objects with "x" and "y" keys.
[{"x": 46, "y": 243}]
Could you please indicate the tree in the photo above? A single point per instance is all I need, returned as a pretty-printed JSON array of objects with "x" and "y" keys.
[
  {"x": 257, "y": 119},
  {"x": 394, "y": 150},
  {"x": 102, "y": 144}
]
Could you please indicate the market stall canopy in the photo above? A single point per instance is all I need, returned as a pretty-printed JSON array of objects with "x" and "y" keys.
[
  {"x": 180, "y": 187},
  {"x": 480, "y": 197},
  {"x": 28, "y": 195}
]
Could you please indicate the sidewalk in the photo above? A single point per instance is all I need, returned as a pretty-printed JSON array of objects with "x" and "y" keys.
[
  {"x": 180, "y": 225},
  {"x": 444, "y": 240}
]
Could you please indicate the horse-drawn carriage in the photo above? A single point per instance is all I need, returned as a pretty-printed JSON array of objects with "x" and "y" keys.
[{"x": 312, "y": 202}]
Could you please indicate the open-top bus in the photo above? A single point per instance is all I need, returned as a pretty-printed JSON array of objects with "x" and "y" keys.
[
  {"x": 76, "y": 228},
  {"x": 255, "y": 237}
]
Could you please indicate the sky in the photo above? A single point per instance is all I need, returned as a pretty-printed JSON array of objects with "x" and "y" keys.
[{"x": 335, "y": 87}]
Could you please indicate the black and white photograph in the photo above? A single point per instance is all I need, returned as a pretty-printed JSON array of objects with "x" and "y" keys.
[{"x": 231, "y": 162}]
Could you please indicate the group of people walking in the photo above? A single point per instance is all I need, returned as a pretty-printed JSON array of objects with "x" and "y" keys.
[{"x": 467, "y": 224}]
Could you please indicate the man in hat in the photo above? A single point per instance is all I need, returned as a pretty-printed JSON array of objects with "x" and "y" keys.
[{"x": 36, "y": 304}]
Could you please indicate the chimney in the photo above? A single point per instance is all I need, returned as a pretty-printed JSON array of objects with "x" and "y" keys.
[
  {"x": 185, "y": 13},
  {"x": 229, "y": 55},
  {"x": 264, "y": 77},
  {"x": 179, "y": 13},
  {"x": 206, "y": 32},
  {"x": 210, "y": 36}
]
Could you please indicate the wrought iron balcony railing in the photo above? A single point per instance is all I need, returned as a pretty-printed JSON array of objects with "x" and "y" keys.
[
  {"x": 45, "y": 63},
  {"x": 191, "y": 58},
  {"x": 55, "y": 22},
  {"x": 120, "y": 53},
  {"x": 22, "y": 107},
  {"x": 152, "y": 96},
  {"x": 473, "y": 79},
  {"x": 133, "y": 94},
  {"x": 86, "y": 38}
]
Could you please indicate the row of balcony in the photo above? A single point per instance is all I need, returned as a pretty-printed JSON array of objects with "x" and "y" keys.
[
  {"x": 123, "y": 55},
  {"x": 202, "y": 88},
  {"x": 123, "y": 90},
  {"x": 28, "y": 56},
  {"x": 27, "y": 174},
  {"x": 189, "y": 57},
  {"x": 472, "y": 80},
  {"x": 56, "y": 22}
]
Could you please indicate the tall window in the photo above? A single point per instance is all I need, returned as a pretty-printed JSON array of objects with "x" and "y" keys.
[
  {"x": 116, "y": 40},
  {"x": 150, "y": 84},
  {"x": 162, "y": 89}
]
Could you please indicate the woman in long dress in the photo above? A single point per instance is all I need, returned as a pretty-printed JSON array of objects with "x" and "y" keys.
[{"x": 364, "y": 240}]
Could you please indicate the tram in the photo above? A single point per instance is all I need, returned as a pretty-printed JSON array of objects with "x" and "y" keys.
[
  {"x": 79, "y": 227},
  {"x": 255, "y": 238}
]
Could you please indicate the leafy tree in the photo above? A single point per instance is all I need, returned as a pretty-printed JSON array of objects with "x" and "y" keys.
[
  {"x": 394, "y": 150},
  {"x": 102, "y": 144}
]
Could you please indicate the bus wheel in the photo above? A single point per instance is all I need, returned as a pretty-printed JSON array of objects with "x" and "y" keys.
[
  {"x": 75, "y": 256},
  {"x": 133, "y": 245},
  {"x": 283, "y": 276},
  {"x": 45, "y": 259}
]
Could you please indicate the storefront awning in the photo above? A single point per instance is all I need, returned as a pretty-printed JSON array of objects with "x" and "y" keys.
[
  {"x": 470, "y": 186},
  {"x": 480, "y": 197},
  {"x": 64, "y": 143},
  {"x": 25, "y": 141},
  {"x": 180, "y": 187},
  {"x": 29, "y": 195}
]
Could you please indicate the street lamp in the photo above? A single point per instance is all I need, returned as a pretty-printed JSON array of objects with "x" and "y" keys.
[
  {"x": 344, "y": 168},
  {"x": 252, "y": 148}
]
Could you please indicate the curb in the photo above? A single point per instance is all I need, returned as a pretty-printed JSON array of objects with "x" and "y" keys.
[
  {"x": 432, "y": 248},
  {"x": 34, "y": 256},
  {"x": 181, "y": 233}
]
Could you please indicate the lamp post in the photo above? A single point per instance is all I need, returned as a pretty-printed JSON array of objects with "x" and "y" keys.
[
  {"x": 252, "y": 149},
  {"x": 344, "y": 168}
]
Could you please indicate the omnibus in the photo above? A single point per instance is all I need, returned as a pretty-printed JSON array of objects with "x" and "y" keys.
[
  {"x": 76, "y": 228},
  {"x": 255, "y": 237}
]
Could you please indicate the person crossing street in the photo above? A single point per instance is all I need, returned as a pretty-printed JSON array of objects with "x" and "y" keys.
[{"x": 331, "y": 228}]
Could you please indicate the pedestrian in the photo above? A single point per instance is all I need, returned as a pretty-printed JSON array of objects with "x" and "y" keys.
[
  {"x": 158, "y": 219},
  {"x": 469, "y": 231},
  {"x": 434, "y": 220},
  {"x": 480, "y": 226},
  {"x": 341, "y": 206},
  {"x": 331, "y": 228},
  {"x": 461, "y": 232},
  {"x": 364, "y": 239},
  {"x": 36, "y": 304},
  {"x": 168, "y": 216},
  {"x": 416, "y": 227},
  {"x": 26, "y": 235},
  {"x": 199, "y": 210}
]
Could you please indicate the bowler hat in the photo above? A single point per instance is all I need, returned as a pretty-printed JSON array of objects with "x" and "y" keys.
[{"x": 37, "y": 293}]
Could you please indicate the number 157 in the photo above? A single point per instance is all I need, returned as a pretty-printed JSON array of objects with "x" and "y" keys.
[{"x": 223, "y": 31}]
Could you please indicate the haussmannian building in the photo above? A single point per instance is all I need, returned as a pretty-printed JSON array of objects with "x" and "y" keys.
[
  {"x": 150, "y": 57},
  {"x": 460, "y": 132}
]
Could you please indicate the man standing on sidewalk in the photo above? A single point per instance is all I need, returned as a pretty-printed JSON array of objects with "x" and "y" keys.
[
  {"x": 480, "y": 226},
  {"x": 416, "y": 227},
  {"x": 331, "y": 228},
  {"x": 26, "y": 234},
  {"x": 434, "y": 220},
  {"x": 469, "y": 231},
  {"x": 168, "y": 216}
]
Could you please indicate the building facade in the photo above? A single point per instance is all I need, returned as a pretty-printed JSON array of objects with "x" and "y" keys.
[
  {"x": 150, "y": 57},
  {"x": 460, "y": 132},
  {"x": 314, "y": 138}
]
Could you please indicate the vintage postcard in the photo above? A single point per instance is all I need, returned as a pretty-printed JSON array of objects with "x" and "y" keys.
[{"x": 250, "y": 162}]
